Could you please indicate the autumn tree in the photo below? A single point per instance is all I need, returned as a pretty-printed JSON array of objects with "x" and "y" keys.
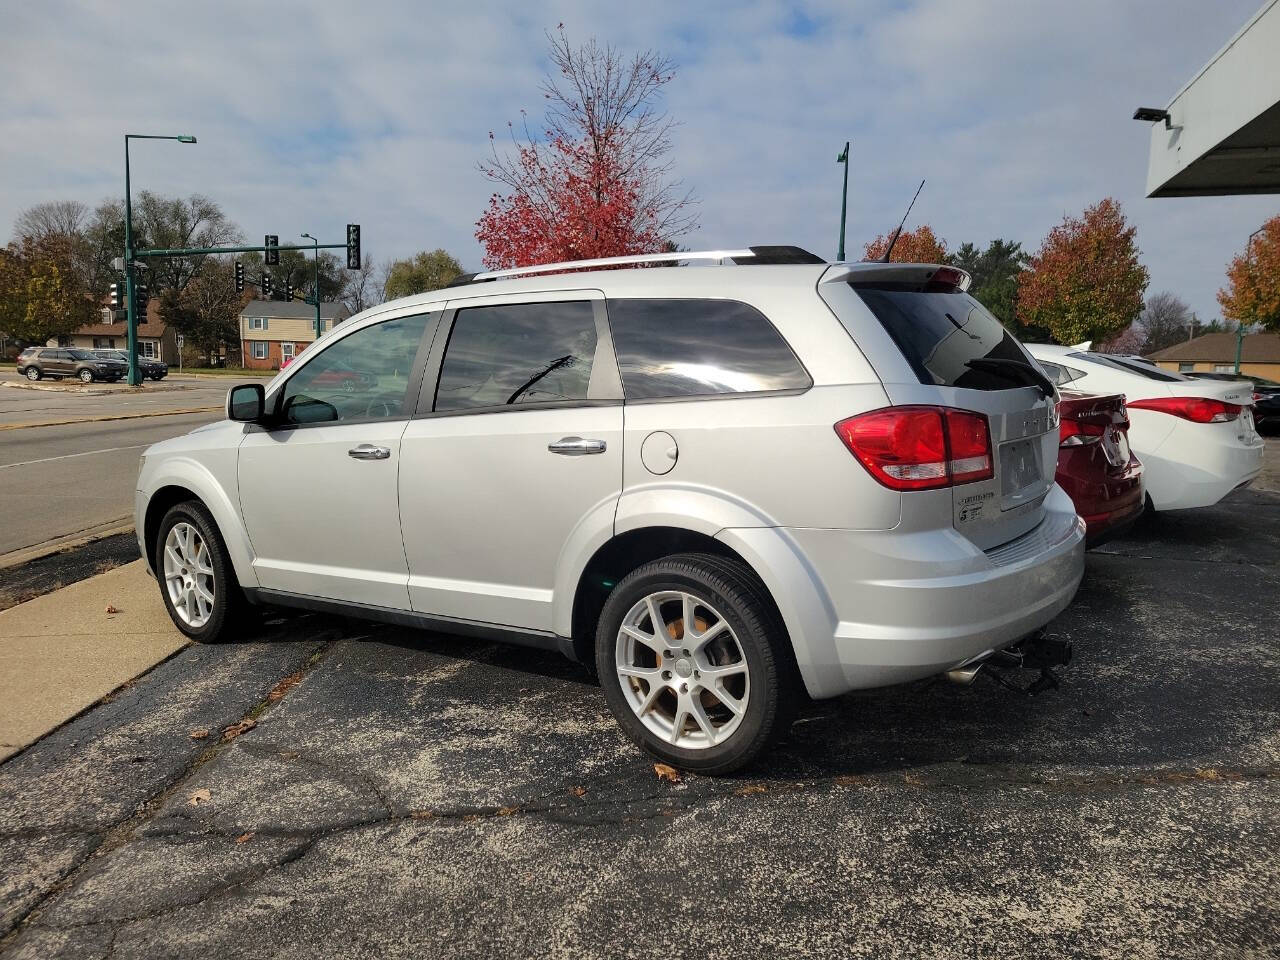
[
  {"x": 427, "y": 270},
  {"x": 598, "y": 182},
  {"x": 912, "y": 246},
  {"x": 1252, "y": 293},
  {"x": 43, "y": 293},
  {"x": 1085, "y": 282}
]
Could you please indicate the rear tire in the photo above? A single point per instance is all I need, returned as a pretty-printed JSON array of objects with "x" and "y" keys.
[
  {"x": 197, "y": 581},
  {"x": 708, "y": 701},
  {"x": 33, "y": 374}
]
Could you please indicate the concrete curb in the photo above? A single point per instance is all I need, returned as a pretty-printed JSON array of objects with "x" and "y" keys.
[
  {"x": 102, "y": 390},
  {"x": 70, "y": 541},
  {"x": 113, "y": 416}
]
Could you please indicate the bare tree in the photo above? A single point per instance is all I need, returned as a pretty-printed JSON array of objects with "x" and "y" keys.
[
  {"x": 57, "y": 218},
  {"x": 1164, "y": 320},
  {"x": 363, "y": 290}
]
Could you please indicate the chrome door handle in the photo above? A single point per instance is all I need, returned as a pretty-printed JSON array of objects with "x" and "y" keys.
[
  {"x": 576, "y": 447},
  {"x": 367, "y": 451}
]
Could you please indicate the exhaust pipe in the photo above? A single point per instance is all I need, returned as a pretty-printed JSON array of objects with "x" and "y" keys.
[{"x": 1036, "y": 652}]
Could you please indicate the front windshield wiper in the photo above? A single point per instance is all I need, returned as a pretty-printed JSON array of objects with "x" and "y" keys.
[{"x": 1023, "y": 373}]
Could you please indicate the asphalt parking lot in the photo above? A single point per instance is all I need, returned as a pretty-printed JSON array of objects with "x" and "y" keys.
[{"x": 409, "y": 794}]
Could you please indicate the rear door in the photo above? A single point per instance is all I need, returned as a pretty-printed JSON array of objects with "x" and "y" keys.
[
  {"x": 514, "y": 456},
  {"x": 951, "y": 351}
]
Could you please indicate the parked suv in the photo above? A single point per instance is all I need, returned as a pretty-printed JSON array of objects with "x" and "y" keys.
[
  {"x": 724, "y": 487},
  {"x": 58, "y": 362}
]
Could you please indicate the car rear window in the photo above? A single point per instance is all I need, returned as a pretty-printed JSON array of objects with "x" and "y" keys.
[
  {"x": 698, "y": 348},
  {"x": 1130, "y": 366},
  {"x": 939, "y": 332}
]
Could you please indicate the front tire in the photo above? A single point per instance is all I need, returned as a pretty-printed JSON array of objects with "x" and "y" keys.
[
  {"x": 197, "y": 581},
  {"x": 86, "y": 376},
  {"x": 708, "y": 698}
]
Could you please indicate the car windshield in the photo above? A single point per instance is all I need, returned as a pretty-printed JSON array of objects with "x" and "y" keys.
[{"x": 1129, "y": 366}]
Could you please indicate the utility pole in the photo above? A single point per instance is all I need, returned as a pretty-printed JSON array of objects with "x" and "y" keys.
[
  {"x": 130, "y": 285},
  {"x": 1248, "y": 249},
  {"x": 316, "y": 246},
  {"x": 844, "y": 197}
]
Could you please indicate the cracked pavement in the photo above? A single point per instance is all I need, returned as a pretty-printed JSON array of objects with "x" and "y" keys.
[{"x": 419, "y": 794}]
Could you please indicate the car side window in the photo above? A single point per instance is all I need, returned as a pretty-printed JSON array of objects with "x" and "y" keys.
[
  {"x": 695, "y": 348},
  {"x": 363, "y": 376},
  {"x": 1059, "y": 374},
  {"x": 519, "y": 353}
]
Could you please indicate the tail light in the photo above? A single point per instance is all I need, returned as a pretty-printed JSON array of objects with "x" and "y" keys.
[
  {"x": 920, "y": 448},
  {"x": 1075, "y": 433},
  {"x": 1195, "y": 409}
]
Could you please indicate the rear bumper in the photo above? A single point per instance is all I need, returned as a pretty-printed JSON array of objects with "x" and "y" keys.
[
  {"x": 1109, "y": 500},
  {"x": 909, "y": 606},
  {"x": 1197, "y": 466}
]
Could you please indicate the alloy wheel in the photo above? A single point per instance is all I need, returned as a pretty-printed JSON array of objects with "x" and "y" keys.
[
  {"x": 33, "y": 373},
  {"x": 682, "y": 670},
  {"x": 86, "y": 376},
  {"x": 188, "y": 574}
]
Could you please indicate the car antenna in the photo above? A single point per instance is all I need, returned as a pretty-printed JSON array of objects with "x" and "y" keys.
[{"x": 894, "y": 238}]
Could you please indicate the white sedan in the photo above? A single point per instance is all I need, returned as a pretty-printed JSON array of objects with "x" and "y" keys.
[{"x": 1195, "y": 437}]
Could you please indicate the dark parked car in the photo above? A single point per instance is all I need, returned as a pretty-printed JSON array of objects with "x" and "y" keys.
[
  {"x": 36, "y": 363},
  {"x": 1095, "y": 465},
  {"x": 150, "y": 369}
]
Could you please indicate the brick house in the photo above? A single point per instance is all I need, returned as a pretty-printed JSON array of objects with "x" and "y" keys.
[
  {"x": 273, "y": 330},
  {"x": 1216, "y": 353},
  {"x": 155, "y": 339}
]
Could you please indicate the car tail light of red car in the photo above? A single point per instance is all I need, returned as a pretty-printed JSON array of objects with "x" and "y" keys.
[
  {"x": 1195, "y": 409},
  {"x": 920, "y": 447}
]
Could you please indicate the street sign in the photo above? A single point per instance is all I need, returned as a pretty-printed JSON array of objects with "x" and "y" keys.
[
  {"x": 179, "y": 341},
  {"x": 118, "y": 264}
]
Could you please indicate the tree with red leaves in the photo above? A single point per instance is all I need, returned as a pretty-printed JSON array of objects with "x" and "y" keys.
[
  {"x": 913, "y": 246},
  {"x": 597, "y": 184},
  {"x": 1085, "y": 283},
  {"x": 1252, "y": 293}
]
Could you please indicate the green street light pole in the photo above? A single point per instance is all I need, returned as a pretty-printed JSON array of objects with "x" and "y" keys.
[
  {"x": 131, "y": 308},
  {"x": 1248, "y": 248},
  {"x": 844, "y": 197},
  {"x": 316, "y": 245}
]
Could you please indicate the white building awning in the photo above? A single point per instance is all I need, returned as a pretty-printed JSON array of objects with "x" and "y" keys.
[{"x": 1222, "y": 135}]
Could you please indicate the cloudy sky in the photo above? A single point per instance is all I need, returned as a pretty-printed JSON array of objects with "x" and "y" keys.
[{"x": 311, "y": 115}]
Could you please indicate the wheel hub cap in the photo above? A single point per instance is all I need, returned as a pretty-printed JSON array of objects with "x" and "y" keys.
[
  {"x": 693, "y": 696},
  {"x": 188, "y": 575}
]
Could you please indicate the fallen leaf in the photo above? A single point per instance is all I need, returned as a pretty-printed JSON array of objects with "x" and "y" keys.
[
  {"x": 198, "y": 797},
  {"x": 111, "y": 609},
  {"x": 198, "y": 734},
  {"x": 421, "y": 815},
  {"x": 1208, "y": 774},
  {"x": 245, "y": 837},
  {"x": 751, "y": 788},
  {"x": 507, "y": 811},
  {"x": 666, "y": 772},
  {"x": 283, "y": 687},
  {"x": 233, "y": 731},
  {"x": 578, "y": 791}
]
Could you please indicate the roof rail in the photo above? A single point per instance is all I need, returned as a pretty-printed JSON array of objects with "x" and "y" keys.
[{"x": 612, "y": 262}]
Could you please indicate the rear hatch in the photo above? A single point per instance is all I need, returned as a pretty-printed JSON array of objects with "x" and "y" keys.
[{"x": 944, "y": 348}]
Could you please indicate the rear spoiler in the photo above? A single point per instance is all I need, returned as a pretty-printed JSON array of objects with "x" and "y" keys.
[{"x": 874, "y": 272}]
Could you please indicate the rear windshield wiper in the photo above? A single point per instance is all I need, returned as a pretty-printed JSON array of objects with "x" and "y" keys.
[{"x": 1023, "y": 373}]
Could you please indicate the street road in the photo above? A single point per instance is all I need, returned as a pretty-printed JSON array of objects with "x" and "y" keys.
[{"x": 59, "y": 481}]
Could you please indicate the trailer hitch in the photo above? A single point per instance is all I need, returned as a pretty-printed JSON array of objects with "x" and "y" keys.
[{"x": 1036, "y": 652}]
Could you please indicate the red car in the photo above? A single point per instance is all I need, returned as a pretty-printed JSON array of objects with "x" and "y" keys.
[{"x": 1095, "y": 465}]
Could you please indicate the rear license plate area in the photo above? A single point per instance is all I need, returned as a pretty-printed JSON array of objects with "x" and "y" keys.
[{"x": 1020, "y": 471}]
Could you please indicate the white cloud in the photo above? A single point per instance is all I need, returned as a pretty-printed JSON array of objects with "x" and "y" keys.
[{"x": 311, "y": 115}]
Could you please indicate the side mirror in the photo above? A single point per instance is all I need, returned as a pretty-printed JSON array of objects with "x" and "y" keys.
[{"x": 246, "y": 403}]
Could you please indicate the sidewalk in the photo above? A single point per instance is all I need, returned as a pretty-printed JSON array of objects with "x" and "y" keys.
[{"x": 62, "y": 652}]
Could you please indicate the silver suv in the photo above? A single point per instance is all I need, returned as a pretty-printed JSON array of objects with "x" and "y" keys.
[{"x": 723, "y": 487}]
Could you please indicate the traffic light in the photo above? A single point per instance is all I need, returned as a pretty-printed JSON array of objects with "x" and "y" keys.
[
  {"x": 272, "y": 244},
  {"x": 266, "y": 286},
  {"x": 239, "y": 277},
  {"x": 288, "y": 290},
  {"x": 115, "y": 296},
  {"x": 142, "y": 295},
  {"x": 353, "y": 246}
]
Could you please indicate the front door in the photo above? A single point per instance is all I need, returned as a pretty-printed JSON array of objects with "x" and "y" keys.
[
  {"x": 517, "y": 451},
  {"x": 318, "y": 486}
]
